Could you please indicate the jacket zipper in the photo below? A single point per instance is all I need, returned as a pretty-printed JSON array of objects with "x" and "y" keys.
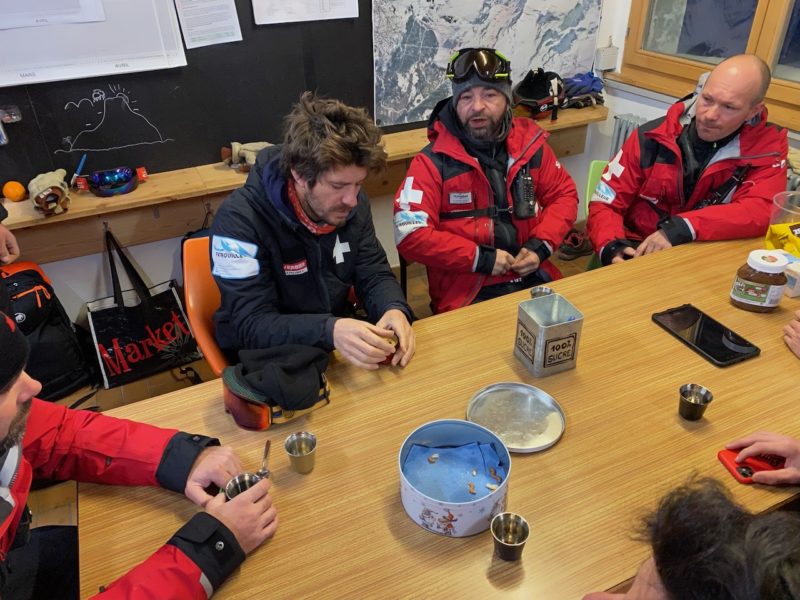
[{"x": 528, "y": 145}]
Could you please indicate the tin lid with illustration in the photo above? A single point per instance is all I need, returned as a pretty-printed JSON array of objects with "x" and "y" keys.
[
  {"x": 526, "y": 418},
  {"x": 767, "y": 261}
]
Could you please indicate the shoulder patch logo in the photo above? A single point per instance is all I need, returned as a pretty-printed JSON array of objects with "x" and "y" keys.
[
  {"x": 408, "y": 221},
  {"x": 603, "y": 193},
  {"x": 233, "y": 259}
]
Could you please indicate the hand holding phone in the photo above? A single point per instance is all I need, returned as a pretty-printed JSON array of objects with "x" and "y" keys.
[
  {"x": 765, "y": 444},
  {"x": 743, "y": 471}
]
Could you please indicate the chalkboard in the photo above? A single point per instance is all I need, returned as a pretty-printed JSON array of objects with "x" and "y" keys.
[{"x": 177, "y": 118}]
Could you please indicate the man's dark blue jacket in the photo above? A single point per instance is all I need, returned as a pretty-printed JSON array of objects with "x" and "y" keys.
[{"x": 280, "y": 283}]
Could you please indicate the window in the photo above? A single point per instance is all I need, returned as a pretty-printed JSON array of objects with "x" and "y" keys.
[
  {"x": 788, "y": 65},
  {"x": 670, "y": 43}
]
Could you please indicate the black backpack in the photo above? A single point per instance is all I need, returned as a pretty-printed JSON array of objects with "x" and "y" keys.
[{"x": 60, "y": 355}]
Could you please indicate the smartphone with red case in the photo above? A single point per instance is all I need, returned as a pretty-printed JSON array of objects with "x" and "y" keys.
[{"x": 743, "y": 471}]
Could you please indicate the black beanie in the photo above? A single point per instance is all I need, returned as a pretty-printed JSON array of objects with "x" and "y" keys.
[
  {"x": 13, "y": 351},
  {"x": 501, "y": 85}
]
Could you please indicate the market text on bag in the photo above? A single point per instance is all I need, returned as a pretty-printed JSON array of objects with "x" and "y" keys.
[{"x": 159, "y": 339}]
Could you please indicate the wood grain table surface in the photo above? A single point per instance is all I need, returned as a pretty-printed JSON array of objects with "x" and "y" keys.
[{"x": 343, "y": 532}]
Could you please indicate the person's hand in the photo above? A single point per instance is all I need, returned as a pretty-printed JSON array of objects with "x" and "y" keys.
[
  {"x": 250, "y": 516},
  {"x": 363, "y": 344},
  {"x": 625, "y": 254},
  {"x": 9, "y": 249},
  {"x": 765, "y": 442},
  {"x": 503, "y": 261},
  {"x": 655, "y": 242},
  {"x": 525, "y": 262},
  {"x": 791, "y": 334},
  {"x": 395, "y": 320},
  {"x": 215, "y": 464}
]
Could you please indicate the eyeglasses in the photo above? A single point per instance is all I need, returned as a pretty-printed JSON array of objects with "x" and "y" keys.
[{"x": 488, "y": 64}]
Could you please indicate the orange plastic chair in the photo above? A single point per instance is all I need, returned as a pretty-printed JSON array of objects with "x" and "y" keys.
[{"x": 202, "y": 300}]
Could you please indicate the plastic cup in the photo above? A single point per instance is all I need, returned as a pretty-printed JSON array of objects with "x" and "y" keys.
[{"x": 785, "y": 208}]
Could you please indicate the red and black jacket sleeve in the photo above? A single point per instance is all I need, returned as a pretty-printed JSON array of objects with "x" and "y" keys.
[{"x": 86, "y": 446}]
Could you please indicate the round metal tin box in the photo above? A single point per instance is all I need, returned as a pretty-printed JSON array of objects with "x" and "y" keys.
[
  {"x": 454, "y": 519},
  {"x": 526, "y": 418}
]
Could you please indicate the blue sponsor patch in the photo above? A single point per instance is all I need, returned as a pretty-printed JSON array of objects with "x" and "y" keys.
[
  {"x": 604, "y": 193},
  {"x": 408, "y": 221},
  {"x": 233, "y": 259}
]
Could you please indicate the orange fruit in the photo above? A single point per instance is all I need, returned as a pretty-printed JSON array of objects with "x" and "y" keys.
[{"x": 14, "y": 191}]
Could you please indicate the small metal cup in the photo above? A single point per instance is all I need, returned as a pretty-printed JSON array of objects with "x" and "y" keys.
[
  {"x": 301, "y": 448},
  {"x": 541, "y": 290},
  {"x": 510, "y": 531},
  {"x": 693, "y": 402},
  {"x": 242, "y": 482}
]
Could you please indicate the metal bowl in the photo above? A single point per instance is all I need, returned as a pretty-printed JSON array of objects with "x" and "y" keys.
[{"x": 526, "y": 418}]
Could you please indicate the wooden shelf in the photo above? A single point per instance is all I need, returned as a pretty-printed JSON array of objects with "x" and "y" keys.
[{"x": 169, "y": 204}]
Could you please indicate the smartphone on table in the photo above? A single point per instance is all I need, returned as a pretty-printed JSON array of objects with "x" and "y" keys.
[
  {"x": 705, "y": 335},
  {"x": 743, "y": 471}
]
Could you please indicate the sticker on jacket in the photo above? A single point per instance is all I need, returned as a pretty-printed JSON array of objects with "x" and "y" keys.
[
  {"x": 408, "y": 195},
  {"x": 408, "y": 221},
  {"x": 461, "y": 198},
  {"x": 233, "y": 259},
  {"x": 340, "y": 249},
  {"x": 604, "y": 193},
  {"x": 296, "y": 268},
  {"x": 614, "y": 168}
]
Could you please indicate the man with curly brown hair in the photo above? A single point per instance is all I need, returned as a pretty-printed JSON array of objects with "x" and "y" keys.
[{"x": 291, "y": 246}]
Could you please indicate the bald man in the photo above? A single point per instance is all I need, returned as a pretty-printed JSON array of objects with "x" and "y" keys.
[{"x": 706, "y": 171}]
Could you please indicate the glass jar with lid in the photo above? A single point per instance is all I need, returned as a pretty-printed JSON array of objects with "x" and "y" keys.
[{"x": 760, "y": 282}]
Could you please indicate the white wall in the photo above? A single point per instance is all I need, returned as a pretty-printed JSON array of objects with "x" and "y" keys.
[{"x": 86, "y": 278}]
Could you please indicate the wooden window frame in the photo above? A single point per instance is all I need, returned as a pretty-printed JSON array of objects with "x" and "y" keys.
[{"x": 676, "y": 76}]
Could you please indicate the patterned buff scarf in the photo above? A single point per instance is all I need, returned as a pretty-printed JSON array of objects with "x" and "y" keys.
[{"x": 313, "y": 227}]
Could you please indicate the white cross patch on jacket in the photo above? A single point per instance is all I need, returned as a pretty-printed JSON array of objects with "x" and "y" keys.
[
  {"x": 615, "y": 169},
  {"x": 339, "y": 249}
]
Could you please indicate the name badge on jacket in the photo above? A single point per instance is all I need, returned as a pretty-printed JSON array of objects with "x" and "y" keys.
[{"x": 461, "y": 198}]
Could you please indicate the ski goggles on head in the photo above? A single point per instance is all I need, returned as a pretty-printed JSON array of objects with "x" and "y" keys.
[{"x": 487, "y": 63}]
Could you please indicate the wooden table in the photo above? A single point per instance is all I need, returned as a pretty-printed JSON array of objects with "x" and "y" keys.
[
  {"x": 169, "y": 204},
  {"x": 343, "y": 532}
]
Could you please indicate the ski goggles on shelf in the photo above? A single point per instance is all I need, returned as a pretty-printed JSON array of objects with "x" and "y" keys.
[
  {"x": 487, "y": 63},
  {"x": 112, "y": 182}
]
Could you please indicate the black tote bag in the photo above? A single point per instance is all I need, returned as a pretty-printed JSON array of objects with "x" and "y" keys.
[{"x": 138, "y": 332}]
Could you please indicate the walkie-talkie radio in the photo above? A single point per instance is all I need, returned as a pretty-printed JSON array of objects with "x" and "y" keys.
[{"x": 522, "y": 195}]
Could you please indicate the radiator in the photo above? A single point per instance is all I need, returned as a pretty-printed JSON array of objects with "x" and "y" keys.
[{"x": 624, "y": 126}]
